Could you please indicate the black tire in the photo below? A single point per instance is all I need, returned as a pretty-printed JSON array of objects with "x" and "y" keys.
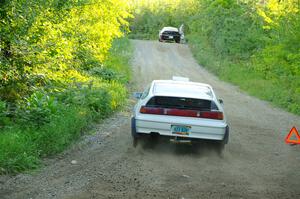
[
  {"x": 177, "y": 41},
  {"x": 226, "y": 137},
  {"x": 134, "y": 134},
  {"x": 225, "y": 141}
]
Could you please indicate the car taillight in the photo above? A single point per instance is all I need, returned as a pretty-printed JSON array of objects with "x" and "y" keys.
[
  {"x": 181, "y": 112},
  {"x": 151, "y": 110},
  {"x": 212, "y": 115}
]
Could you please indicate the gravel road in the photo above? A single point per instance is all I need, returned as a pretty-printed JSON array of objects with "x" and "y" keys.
[{"x": 255, "y": 164}]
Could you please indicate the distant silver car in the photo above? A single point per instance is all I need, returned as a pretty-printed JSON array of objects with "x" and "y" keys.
[
  {"x": 181, "y": 110},
  {"x": 169, "y": 34}
]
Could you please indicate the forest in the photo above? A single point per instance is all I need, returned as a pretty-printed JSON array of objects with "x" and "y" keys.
[{"x": 66, "y": 64}]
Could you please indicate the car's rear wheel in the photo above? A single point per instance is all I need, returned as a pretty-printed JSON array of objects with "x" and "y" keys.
[
  {"x": 133, "y": 132},
  {"x": 225, "y": 140},
  {"x": 226, "y": 136}
]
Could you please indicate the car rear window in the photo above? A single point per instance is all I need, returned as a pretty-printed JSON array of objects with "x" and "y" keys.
[
  {"x": 170, "y": 33},
  {"x": 182, "y": 103}
]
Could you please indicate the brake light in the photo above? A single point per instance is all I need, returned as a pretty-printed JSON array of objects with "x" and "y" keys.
[
  {"x": 150, "y": 110},
  {"x": 212, "y": 115},
  {"x": 181, "y": 112}
]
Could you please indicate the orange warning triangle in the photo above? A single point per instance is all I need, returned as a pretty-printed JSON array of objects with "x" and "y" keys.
[{"x": 293, "y": 137}]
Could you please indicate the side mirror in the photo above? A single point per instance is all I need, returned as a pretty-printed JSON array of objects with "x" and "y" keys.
[
  {"x": 137, "y": 95},
  {"x": 221, "y": 101}
]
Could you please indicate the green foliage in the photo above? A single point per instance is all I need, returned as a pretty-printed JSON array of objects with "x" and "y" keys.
[
  {"x": 21, "y": 149},
  {"x": 3, "y": 114},
  {"x": 119, "y": 58},
  {"x": 150, "y": 17},
  {"x": 17, "y": 151},
  {"x": 48, "y": 93},
  {"x": 96, "y": 100},
  {"x": 51, "y": 37},
  {"x": 231, "y": 28},
  {"x": 47, "y": 123},
  {"x": 65, "y": 128},
  {"x": 37, "y": 109},
  {"x": 104, "y": 73}
]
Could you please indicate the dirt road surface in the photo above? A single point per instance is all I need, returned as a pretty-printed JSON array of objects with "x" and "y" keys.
[{"x": 255, "y": 164}]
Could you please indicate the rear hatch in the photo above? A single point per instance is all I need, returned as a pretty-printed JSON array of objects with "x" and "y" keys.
[{"x": 181, "y": 106}]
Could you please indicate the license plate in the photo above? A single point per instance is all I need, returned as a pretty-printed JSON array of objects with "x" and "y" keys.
[
  {"x": 180, "y": 130},
  {"x": 170, "y": 37}
]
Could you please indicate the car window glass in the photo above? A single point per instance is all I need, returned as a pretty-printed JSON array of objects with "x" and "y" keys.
[
  {"x": 182, "y": 103},
  {"x": 213, "y": 106},
  {"x": 170, "y": 33}
]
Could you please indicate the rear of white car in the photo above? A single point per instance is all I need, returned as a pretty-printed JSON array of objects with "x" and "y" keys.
[{"x": 180, "y": 109}]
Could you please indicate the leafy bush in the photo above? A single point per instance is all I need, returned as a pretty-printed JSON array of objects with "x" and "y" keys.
[
  {"x": 38, "y": 109},
  {"x": 231, "y": 28},
  {"x": 4, "y": 120},
  {"x": 104, "y": 73},
  {"x": 95, "y": 99},
  {"x": 54, "y": 38}
]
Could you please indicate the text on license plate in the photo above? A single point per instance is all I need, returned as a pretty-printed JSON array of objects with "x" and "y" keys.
[
  {"x": 170, "y": 37},
  {"x": 180, "y": 130}
]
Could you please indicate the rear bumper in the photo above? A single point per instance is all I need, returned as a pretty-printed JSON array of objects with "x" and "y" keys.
[{"x": 200, "y": 129}]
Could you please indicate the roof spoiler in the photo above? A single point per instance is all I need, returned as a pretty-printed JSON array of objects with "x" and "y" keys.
[{"x": 178, "y": 78}]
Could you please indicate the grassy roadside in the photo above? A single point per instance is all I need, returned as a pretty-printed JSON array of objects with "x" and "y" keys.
[
  {"x": 59, "y": 118},
  {"x": 242, "y": 73}
]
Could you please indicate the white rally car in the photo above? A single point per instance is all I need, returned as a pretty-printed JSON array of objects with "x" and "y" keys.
[{"x": 180, "y": 109}]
